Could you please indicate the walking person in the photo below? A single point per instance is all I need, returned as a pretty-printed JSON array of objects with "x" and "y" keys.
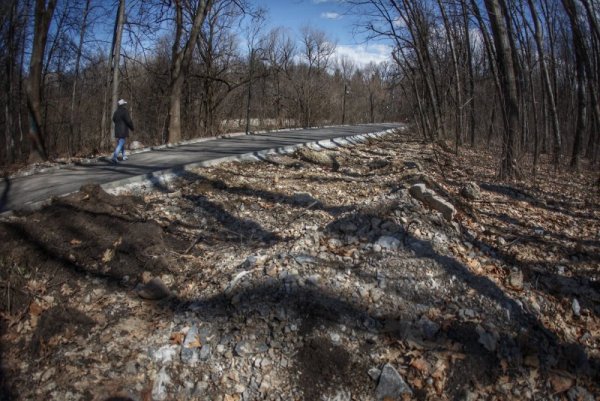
[{"x": 123, "y": 124}]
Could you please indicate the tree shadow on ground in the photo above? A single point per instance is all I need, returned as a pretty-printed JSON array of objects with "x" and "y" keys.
[
  {"x": 318, "y": 307},
  {"x": 539, "y": 339},
  {"x": 300, "y": 200},
  {"x": 543, "y": 273},
  {"x": 5, "y": 193},
  {"x": 553, "y": 204},
  {"x": 6, "y": 394},
  {"x": 532, "y": 227}
]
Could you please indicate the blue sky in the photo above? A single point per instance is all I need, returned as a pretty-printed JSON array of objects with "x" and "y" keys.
[{"x": 329, "y": 16}]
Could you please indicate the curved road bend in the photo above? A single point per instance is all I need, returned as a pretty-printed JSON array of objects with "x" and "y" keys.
[{"x": 22, "y": 191}]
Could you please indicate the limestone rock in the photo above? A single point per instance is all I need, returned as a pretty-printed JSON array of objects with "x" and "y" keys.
[
  {"x": 387, "y": 242},
  {"x": 430, "y": 198},
  {"x": 391, "y": 385},
  {"x": 471, "y": 191},
  {"x": 515, "y": 279},
  {"x": 321, "y": 158}
]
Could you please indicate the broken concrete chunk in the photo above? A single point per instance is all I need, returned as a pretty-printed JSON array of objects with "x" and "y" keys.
[{"x": 433, "y": 200}]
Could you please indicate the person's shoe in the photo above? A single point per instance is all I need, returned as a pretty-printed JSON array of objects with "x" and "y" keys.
[
  {"x": 114, "y": 161},
  {"x": 125, "y": 158}
]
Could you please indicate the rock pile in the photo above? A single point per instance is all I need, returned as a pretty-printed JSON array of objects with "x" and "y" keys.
[{"x": 279, "y": 281}]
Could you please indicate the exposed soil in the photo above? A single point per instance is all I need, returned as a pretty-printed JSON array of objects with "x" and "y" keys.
[{"x": 285, "y": 258}]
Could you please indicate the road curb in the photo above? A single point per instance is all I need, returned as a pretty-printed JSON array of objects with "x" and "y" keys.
[{"x": 162, "y": 177}]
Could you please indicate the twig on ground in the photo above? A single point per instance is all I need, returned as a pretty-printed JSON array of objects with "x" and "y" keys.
[
  {"x": 303, "y": 212},
  {"x": 193, "y": 244}
]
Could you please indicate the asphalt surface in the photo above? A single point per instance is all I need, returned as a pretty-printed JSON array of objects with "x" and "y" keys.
[{"x": 29, "y": 192}]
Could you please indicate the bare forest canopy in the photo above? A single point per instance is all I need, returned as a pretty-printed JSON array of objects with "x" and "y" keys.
[{"x": 519, "y": 76}]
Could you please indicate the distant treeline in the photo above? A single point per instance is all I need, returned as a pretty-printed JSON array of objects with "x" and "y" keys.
[{"x": 519, "y": 75}]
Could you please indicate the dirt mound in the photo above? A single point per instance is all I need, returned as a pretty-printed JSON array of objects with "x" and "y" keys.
[
  {"x": 90, "y": 233},
  {"x": 58, "y": 321}
]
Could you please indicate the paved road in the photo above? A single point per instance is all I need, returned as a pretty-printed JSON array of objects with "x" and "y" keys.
[{"x": 23, "y": 192}]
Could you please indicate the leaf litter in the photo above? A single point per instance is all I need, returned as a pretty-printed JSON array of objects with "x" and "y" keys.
[{"x": 302, "y": 276}]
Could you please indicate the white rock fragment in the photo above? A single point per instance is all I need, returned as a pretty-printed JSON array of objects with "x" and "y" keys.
[
  {"x": 388, "y": 242},
  {"x": 576, "y": 308},
  {"x": 164, "y": 354},
  {"x": 433, "y": 200},
  {"x": 159, "y": 390}
]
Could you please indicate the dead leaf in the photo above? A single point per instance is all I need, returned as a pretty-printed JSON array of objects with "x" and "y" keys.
[
  {"x": 36, "y": 286},
  {"x": 434, "y": 313},
  {"x": 504, "y": 365},
  {"x": 195, "y": 343},
  {"x": 532, "y": 361},
  {"x": 474, "y": 265},
  {"x": 440, "y": 368},
  {"x": 118, "y": 242},
  {"x": 35, "y": 309},
  {"x": 108, "y": 255},
  {"x": 533, "y": 375},
  {"x": 75, "y": 242},
  {"x": 421, "y": 365},
  {"x": 177, "y": 338},
  {"x": 439, "y": 386},
  {"x": 561, "y": 383},
  {"x": 146, "y": 394},
  {"x": 417, "y": 383}
]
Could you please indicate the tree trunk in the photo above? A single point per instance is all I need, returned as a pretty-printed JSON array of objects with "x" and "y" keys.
[
  {"x": 581, "y": 116},
  {"x": 471, "y": 91},
  {"x": 458, "y": 88},
  {"x": 10, "y": 70},
  {"x": 344, "y": 104},
  {"x": 547, "y": 84},
  {"x": 504, "y": 58},
  {"x": 181, "y": 58},
  {"x": 426, "y": 69},
  {"x": 250, "y": 77},
  {"x": 75, "y": 129},
  {"x": 116, "y": 58},
  {"x": 43, "y": 17},
  {"x": 112, "y": 78},
  {"x": 582, "y": 67}
]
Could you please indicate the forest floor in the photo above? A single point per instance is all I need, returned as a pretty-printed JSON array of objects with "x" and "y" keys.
[{"x": 310, "y": 276}]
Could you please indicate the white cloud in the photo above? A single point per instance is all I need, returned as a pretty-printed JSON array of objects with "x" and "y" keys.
[
  {"x": 362, "y": 55},
  {"x": 399, "y": 22},
  {"x": 331, "y": 15}
]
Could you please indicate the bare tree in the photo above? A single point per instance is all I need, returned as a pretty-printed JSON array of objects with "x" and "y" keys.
[
  {"x": 112, "y": 82},
  {"x": 504, "y": 58},
  {"x": 43, "y": 17},
  {"x": 316, "y": 52},
  {"x": 75, "y": 132},
  {"x": 538, "y": 35},
  {"x": 182, "y": 51},
  {"x": 347, "y": 68}
]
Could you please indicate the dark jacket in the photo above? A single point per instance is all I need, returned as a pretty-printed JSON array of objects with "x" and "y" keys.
[{"x": 122, "y": 122}]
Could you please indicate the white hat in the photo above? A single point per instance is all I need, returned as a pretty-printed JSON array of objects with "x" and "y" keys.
[{"x": 121, "y": 102}]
